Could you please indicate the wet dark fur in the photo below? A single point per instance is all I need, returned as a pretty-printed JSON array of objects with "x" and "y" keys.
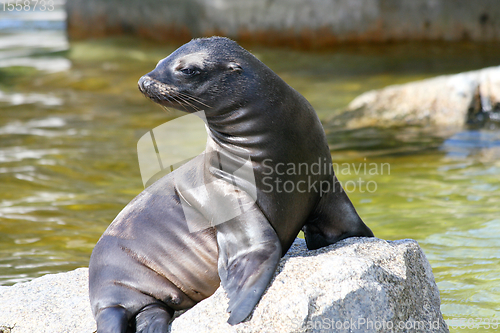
[{"x": 147, "y": 264}]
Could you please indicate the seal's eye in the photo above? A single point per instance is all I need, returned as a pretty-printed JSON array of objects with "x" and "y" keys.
[{"x": 189, "y": 71}]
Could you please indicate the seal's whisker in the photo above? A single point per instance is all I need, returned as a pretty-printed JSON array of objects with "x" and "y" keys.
[
  {"x": 188, "y": 103},
  {"x": 198, "y": 101},
  {"x": 166, "y": 108},
  {"x": 185, "y": 98},
  {"x": 168, "y": 98},
  {"x": 194, "y": 99},
  {"x": 155, "y": 97},
  {"x": 179, "y": 102}
]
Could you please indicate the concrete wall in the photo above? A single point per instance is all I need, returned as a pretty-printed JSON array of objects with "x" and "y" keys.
[{"x": 301, "y": 23}]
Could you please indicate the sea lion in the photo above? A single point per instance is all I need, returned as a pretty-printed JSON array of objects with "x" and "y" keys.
[{"x": 150, "y": 262}]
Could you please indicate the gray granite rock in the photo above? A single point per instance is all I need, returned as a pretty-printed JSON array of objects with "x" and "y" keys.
[
  {"x": 356, "y": 285},
  {"x": 361, "y": 284},
  {"x": 441, "y": 101},
  {"x": 53, "y": 303}
]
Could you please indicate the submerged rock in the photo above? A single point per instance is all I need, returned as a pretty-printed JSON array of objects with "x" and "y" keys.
[
  {"x": 471, "y": 98},
  {"x": 356, "y": 285}
]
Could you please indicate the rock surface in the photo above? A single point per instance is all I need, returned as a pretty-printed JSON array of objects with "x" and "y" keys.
[
  {"x": 450, "y": 101},
  {"x": 360, "y": 284},
  {"x": 55, "y": 303},
  {"x": 356, "y": 285}
]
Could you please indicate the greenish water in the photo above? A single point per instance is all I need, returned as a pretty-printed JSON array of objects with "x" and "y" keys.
[{"x": 71, "y": 116}]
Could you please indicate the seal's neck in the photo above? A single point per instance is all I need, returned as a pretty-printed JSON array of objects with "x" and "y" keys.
[
  {"x": 267, "y": 120},
  {"x": 246, "y": 125},
  {"x": 246, "y": 129}
]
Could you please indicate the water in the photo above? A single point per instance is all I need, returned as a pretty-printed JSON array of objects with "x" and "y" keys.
[{"x": 71, "y": 116}]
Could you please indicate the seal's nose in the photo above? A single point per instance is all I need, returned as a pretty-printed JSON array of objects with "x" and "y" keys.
[{"x": 144, "y": 83}]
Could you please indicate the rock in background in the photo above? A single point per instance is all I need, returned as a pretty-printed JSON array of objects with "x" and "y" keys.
[
  {"x": 299, "y": 23},
  {"x": 360, "y": 284},
  {"x": 453, "y": 101}
]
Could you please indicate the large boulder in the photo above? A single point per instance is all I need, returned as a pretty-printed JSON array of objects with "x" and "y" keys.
[
  {"x": 356, "y": 285},
  {"x": 451, "y": 101}
]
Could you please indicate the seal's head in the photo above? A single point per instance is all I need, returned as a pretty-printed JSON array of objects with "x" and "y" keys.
[{"x": 206, "y": 73}]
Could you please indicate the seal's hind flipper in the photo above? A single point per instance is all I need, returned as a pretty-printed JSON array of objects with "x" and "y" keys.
[
  {"x": 249, "y": 251},
  {"x": 153, "y": 319},
  {"x": 334, "y": 218},
  {"x": 112, "y": 320}
]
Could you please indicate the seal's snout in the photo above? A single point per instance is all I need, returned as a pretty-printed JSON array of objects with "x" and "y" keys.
[
  {"x": 145, "y": 82},
  {"x": 158, "y": 91}
]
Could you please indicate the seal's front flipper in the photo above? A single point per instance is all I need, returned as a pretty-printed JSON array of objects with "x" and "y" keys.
[{"x": 249, "y": 251}]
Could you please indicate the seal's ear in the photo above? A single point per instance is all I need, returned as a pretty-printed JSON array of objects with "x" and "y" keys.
[{"x": 234, "y": 66}]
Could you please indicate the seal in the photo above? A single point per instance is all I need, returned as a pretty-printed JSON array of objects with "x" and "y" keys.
[{"x": 151, "y": 262}]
